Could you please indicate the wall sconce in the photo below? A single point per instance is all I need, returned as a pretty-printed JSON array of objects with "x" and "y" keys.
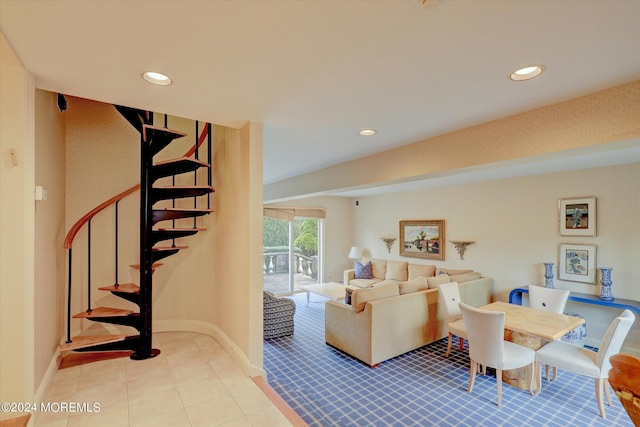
[
  {"x": 388, "y": 241},
  {"x": 461, "y": 246}
]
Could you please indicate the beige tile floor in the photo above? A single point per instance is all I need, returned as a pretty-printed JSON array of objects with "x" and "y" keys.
[{"x": 193, "y": 382}]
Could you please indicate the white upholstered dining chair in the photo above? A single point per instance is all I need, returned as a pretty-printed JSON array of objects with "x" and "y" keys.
[
  {"x": 485, "y": 332},
  {"x": 450, "y": 295},
  {"x": 586, "y": 362},
  {"x": 548, "y": 299}
]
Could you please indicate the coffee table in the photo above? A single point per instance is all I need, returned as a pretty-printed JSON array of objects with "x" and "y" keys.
[{"x": 332, "y": 290}]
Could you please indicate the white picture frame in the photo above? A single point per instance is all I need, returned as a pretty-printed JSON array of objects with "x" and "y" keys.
[
  {"x": 577, "y": 263},
  {"x": 577, "y": 216}
]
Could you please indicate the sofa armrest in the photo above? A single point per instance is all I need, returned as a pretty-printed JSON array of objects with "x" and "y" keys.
[
  {"x": 348, "y": 276},
  {"x": 347, "y": 330}
]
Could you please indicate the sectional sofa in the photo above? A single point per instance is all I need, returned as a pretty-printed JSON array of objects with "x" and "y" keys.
[{"x": 398, "y": 309}]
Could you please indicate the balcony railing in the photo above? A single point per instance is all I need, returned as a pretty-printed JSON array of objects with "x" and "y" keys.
[{"x": 276, "y": 271}]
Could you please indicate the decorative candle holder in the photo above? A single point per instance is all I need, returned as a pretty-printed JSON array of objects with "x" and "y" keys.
[
  {"x": 548, "y": 275},
  {"x": 461, "y": 246},
  {"x": 605, "y": 281},
  {"x": 388, "y": 241}
]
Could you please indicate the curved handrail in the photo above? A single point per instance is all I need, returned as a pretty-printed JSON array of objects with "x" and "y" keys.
[{"x": 75, "y": 228}]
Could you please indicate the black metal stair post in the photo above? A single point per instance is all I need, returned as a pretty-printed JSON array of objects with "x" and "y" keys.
[{"x": 146, "y": 256}]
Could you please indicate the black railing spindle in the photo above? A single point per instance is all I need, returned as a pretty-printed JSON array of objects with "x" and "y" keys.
[
  {"x": 89, "y": 310},
  {"x": 69, "y": 301},
  {"x": 117, "y": 284},
  {"x": 209, "y": 179}
]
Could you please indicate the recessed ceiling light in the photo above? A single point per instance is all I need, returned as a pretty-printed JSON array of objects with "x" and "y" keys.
[
  {"x": 367, "y": 132},
  {"x": 156, "y": 78},
  {"x": 527, "y": 73}
]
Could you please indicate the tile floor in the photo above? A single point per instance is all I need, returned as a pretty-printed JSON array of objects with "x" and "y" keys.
[{"x": 193, "y": 382}]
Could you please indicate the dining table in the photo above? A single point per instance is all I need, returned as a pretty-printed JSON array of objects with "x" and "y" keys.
[{"x": 531, "y": 328}]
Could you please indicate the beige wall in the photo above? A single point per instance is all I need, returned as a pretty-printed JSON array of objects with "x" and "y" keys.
[
  {"x": 17, "y": 230},
  {"x": 49, "y": 231}
]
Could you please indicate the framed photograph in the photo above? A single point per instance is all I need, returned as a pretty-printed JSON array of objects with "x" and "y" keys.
[
  {"x": 577, "y": 216},
  {"x": 577, "y": 263},
  {"x": 422, "y": 239}
]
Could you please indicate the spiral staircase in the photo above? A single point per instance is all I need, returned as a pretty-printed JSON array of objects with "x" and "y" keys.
[{"x": 153, "y": 236}]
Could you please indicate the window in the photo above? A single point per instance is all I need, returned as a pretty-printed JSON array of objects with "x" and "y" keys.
[{"x": 292, "y": 240}]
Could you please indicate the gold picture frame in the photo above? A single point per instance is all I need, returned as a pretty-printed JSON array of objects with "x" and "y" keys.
[{"x": 422, "y": 239}]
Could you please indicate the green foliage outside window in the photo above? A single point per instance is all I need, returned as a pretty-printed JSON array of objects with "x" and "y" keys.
[{"x": 307, "y": 240}]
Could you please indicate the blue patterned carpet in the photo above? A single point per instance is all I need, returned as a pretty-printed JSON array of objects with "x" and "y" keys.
[{"x": 421, "y": 388}]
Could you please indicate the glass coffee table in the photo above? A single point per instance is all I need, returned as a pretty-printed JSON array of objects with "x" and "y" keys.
[{"x": 332, "y": 290}]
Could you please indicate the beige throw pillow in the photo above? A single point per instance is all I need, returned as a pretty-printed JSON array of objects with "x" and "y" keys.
[
  {"x": 379, "y": 267},
  {"x": 433, "y": 282},
  {"x": 417, "y": 270},
  {"x": 396, "y": 270},
  {"x": 360, "y": 297},
  {"x": 415, "y": 285}
]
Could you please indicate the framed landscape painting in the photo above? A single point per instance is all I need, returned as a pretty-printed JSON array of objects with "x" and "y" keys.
[
  {"x": 577, "y": 216},
  {"x": 577, "y": 263},
  {"x": 422, "y": 239}
]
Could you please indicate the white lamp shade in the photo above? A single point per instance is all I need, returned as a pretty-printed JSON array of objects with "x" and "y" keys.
[{"x": 355, "y": 253}]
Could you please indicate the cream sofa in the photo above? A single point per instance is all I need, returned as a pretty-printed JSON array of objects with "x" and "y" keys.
[{"x": 391, "y": 317}]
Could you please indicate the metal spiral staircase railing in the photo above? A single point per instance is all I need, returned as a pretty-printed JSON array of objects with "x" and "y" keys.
[{"x": 153, "y": 139}]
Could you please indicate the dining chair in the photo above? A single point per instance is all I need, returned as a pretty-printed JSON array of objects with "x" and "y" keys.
[
  {"x": 485, "y": 333},
  {"x": 450, "y": 294},
  {"x": 548, "y": 299},
  {"x": 585, "y": 362}
]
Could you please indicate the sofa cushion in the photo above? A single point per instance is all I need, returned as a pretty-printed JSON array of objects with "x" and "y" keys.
[
  {"x": 415, "y": 285},
  {"x": 363, "y": 283},
  {"x": 451, "y": 272},
  {"x": 466, "y": 277},
  {"x": 384, "y": 283},
  {"x": 417, "y": 270},
  {"x": 379, "y": 267},
  {"x": 360, "y": 297},
  {"x": 433, "y": 282},
  {"x": 363, "y": 270},
  {"x": 396, "y": 270}
]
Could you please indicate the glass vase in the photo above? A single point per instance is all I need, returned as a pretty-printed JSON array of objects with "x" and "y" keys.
[{"x": 605, "y": 281}]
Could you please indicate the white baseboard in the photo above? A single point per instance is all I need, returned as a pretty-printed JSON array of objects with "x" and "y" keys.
[
  {"x": 214, "y": 332},
  {"x": 45, "y": 384}
]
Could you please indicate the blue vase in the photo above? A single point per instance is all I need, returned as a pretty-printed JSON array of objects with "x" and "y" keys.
[
  {"x": 548, "y": 275},
  {"x": 605, "y": 281}
]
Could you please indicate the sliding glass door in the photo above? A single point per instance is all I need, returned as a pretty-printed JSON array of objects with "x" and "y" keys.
[{"x": 291, "y": 253}]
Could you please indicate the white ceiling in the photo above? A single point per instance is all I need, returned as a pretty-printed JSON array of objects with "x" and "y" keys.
[{"x": 316, "y": 72}]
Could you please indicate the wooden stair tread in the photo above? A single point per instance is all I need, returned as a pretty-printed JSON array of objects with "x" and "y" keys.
[
  {"x": 184, "y": 209},
  {"x": 130, "y": 288},
  {"x": 168, "y": 248},
  {"x": 181, "y": 159},
  {"x": 103, "y": 312},
  {"x": 186, "y": 186},
  {"x": 154, "y": 266},
  {"x": 179, "y": 229},
  {"x": 90, "y": 340}
]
